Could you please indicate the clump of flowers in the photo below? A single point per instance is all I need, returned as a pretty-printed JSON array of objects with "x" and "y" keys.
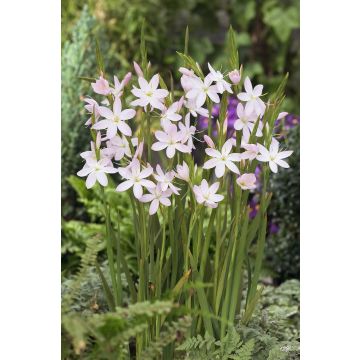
[{"x": 186, "y": 219}]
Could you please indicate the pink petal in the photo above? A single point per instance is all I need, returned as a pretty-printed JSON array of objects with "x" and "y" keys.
[
  {"x": 154, "y": 207},
  {"x": 90, "y": 181},
  {"x": 127, "y": 114},
  {"x": 125, "y": 185},
  {"x": 124, "y": 128}
]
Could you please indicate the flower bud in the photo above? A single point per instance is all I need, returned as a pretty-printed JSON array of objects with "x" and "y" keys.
[
  {"x": 180, "y": 104},
  {"x": 235, "y": 76},
  {"x": 209, "y": 141},
  {"x": 138, "y": 69},
  {"x": 186, "y": 71},
  {"x": 126, "y": 79}
]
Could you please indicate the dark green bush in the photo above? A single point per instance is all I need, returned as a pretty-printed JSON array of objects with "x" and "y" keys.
[{"x": 283, "y": 247}]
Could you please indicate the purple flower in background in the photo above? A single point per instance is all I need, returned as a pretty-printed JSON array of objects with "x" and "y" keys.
[
  {"x": 273, "y": 228},
  {"x": 232, "y": 116}
]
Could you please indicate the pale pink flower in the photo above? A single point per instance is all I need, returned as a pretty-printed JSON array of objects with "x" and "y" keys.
[
  {"x": 149, "y": 94},
  {"x": 114, "y": 120},
  {"x": 165, "y": 179},
  {"x": 251, "y": 151},
  {"x": 190, "y": 104},
  {"x": 91, "y": 154},
  {"x": 252, "y": 98},
  {"x": 247, "y": 181},
  {"x": 170, "y": 139},
  {"x": 96, "y": 171},
  {"x": 221, "y": 83},
  {"x": 135, "y": 178},
  {"x": 157, "y": 196},
  {"x": 235, "y": 76},
  {"x": 209, "y": 141},
  {"x": 183, "y": 172},
  {"x": 246, "y": 122},
  {"x": 119, "y": 86},
  {"x": 201, "y": 89},
  {"x": 119, "y": 147},
  {"x": 101, "y": 86},
  {"x": 92, "y": 107},
  {"x": 171, "y": 113},
  {"x": 220, "y": 160},
  {"x": 206, "y": 194},
  {"x": 273, "y": 156},
  {"x": 188, "y": 132}
]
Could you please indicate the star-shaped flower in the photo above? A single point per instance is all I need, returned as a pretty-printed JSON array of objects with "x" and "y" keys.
[
  {"x": 170, "y": 139},
  {"x": 119, "y": 147},
  {"x": 165, "y": 180},
  {"x": 221, "y": 83},
  {"x": 273, "y": 156},
  {"x": 246, "y": 122},
  {"x": 135, "y": 178},
  {"x": 220, "y": 160},
  {"x": 149, "y": 94},
  {"x": 96, "y": 171},
  {"x": 252, "y": 98},
  {"x": 206, "y": 194},
  {"x": 202, "y": 89},
  {"x": 157, "y": 196},
  {"x": 114, "y": 120}
]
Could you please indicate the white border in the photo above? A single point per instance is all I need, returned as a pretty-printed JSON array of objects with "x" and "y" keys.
[
  {"x": 30, "y": 34},
  {"x": 330, "y": 216}
]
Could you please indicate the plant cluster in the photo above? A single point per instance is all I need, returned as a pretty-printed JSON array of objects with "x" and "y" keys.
[{"x": 191, "y": 221}]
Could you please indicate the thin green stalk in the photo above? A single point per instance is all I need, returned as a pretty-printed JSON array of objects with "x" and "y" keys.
[{"x": 109, "y": 248}]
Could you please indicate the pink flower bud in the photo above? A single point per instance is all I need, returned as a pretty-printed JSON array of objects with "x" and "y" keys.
[
  {"x": 101, "y": 86},
  {"x": 209, "y": 142},
  {"x": 186, "y": 72},
  {"x": 235, "y": 76},
  {"x": 126, "y": 79},
  {"x": 180, "y": 104},
  {"x": 247, "y": 181},
  {"x": 138, "y": 70}
]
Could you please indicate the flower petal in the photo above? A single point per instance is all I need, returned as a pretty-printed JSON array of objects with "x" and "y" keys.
[
  {"x": 124, "y": 128},
  {"x": 125, "y": 185},
  {"x": 90, "y": 181},
  {"x": 154, "y": 207},
  {"x": 220, "y": 170},
  {"x": 137, "y": 190}
]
